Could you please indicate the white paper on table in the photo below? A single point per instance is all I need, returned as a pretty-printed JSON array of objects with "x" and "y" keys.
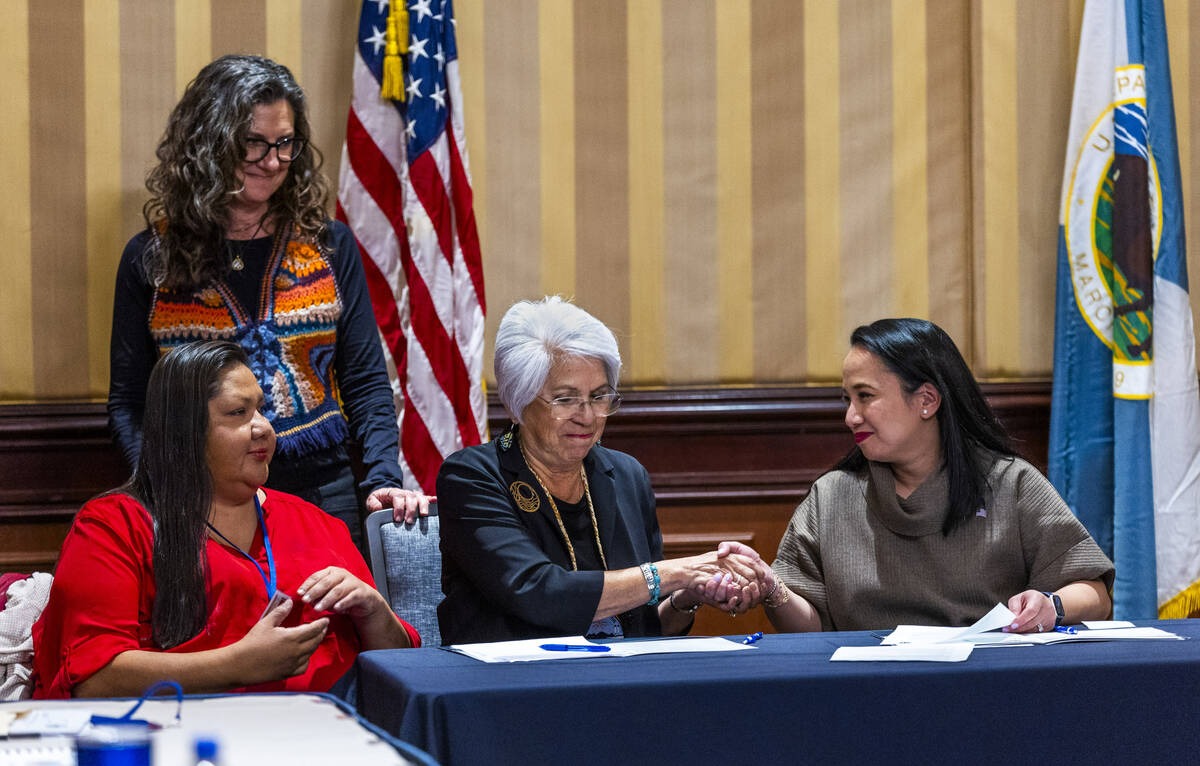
[
  {"x": 1000, "y": 616},
  {"x": 51, "y": 720},
  {"x": 946, "y": 652},
  {"x": 530, "y": 649},
  {"x": 909, "y": 635},
  {"x": 1114, "y": 634},
  {"x": 1106, "y": 624},
  {"x": 527, "y": 649},
  {"x": 304, "y": 730},
  {"x": 676, "y": 645}
]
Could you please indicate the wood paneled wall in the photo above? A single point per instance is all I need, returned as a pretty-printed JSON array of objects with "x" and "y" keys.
[{"x": 725, "y": 464}]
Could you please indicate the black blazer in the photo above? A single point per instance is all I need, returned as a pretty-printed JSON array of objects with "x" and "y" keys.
[{"x": 506, "y": 573}]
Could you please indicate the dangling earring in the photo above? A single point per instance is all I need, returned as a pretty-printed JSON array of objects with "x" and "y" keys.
[{"x": 506, "y": 439}]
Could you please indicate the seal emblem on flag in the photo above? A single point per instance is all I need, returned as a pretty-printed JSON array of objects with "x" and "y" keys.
[{"x": 1112, "y": 231}]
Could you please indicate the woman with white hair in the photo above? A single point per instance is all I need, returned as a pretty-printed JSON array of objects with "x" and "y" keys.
[{"x": 546, "y": 533}]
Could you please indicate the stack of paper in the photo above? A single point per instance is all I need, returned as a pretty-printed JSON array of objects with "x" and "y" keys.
[
  {"x": 913, "y": 634},
  {"x": 936, "y": 644},
  {"x": 985, "y": 633}
]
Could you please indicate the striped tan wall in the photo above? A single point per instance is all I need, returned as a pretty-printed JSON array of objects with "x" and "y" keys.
[{"x": 732, "y": 186}]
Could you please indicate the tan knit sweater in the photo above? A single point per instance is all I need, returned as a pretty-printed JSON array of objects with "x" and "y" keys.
[{"x": 867, "y": 559}]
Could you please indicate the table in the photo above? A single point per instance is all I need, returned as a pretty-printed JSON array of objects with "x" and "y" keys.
[
  {"x": 1114, "y": 702},
  {"x": 251, "y": 729}
]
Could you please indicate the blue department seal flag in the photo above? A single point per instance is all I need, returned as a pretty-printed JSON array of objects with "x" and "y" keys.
[{"x": 1125, "y": 415}]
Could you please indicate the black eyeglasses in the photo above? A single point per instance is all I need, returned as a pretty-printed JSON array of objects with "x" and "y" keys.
[{"x": 286, "y": 149}]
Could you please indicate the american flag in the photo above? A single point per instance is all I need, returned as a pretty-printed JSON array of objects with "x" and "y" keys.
[{"x": 405, "y": 192}]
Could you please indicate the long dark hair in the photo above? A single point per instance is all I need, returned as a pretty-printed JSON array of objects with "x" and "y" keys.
[
  {"x": 173, "y": 483},
  {"x": 917, "y": 352},
  {"x": 199, "y": 156}
]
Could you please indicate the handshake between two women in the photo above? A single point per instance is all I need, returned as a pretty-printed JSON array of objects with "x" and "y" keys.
[{"x": 733, "y": 578}]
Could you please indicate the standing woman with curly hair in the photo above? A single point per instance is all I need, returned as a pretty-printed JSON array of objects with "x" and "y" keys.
[{"x": 238, "y": 246}]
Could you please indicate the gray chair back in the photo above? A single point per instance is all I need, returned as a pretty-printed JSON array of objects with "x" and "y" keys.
[{"x": 406, "y": 563}]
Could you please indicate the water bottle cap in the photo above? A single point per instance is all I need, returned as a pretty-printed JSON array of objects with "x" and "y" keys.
[{"x": 206, "y": 748}]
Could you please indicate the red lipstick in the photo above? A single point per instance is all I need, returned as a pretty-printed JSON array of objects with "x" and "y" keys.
[{"x": 862, "y": 436}]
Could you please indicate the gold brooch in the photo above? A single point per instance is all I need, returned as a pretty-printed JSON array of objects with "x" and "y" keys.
[{"x": 526, "y": 496}]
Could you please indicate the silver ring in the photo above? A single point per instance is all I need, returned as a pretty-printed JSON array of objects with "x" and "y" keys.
[{"x": 1039, "y": 627}]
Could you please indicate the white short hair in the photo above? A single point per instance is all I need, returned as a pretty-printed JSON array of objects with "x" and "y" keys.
[{"x": 533, "y": 334}]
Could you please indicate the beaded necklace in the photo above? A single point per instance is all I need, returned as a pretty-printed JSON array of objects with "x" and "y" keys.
[{"x": 587, "y": 492}]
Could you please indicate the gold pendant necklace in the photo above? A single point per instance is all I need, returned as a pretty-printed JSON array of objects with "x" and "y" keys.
[
  {"x": 587, "y": 492},
  {"x": 238, "y": 264}
]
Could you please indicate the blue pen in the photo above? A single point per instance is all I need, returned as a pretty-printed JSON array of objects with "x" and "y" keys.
[
  {"x": 1066, "y": 629},
  {"x": 753, "y": 637},
  {"x": 574, "y": 648}
]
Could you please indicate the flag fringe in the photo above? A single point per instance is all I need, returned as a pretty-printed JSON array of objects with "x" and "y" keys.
[{"x": 1183, "y": 604}]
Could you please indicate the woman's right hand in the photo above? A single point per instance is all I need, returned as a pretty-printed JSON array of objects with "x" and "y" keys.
[
  {"x": 693, "y": 572},
  {"x": 269, "y": 652}
]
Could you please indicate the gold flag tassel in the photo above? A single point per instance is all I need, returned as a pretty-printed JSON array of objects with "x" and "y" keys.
[{"x": 397, "y": 43}]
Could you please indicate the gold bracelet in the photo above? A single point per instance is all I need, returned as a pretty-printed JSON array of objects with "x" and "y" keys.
[{"x": 783, "y": 597}]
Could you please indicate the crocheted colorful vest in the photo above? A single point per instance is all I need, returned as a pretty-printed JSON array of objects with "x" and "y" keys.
[{"x": 290, "y": 343}]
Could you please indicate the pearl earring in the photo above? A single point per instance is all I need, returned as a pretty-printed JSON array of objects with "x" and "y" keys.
[{"x": 924, "y": 412}]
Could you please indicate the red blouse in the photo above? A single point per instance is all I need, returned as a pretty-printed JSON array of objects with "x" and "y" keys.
[{"x": 103, "y": 592}]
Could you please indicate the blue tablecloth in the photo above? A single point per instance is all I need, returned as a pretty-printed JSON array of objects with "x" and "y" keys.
[{"x": 1115, "y": 702}]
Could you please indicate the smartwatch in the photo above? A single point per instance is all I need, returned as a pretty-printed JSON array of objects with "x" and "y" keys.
[{"x": 1058, "y": 607}]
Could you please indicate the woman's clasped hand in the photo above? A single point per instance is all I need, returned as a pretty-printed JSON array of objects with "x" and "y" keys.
[
  {"x": 724, "y": 579},
  {"x": 271, "y": 652},
  {"x": 741, "y": 582}
]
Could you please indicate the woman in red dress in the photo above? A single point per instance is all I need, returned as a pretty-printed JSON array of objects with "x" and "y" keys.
[{"x": 193, "y": 572}]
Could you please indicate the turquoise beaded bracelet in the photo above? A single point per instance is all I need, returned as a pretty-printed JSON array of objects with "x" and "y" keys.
[{"x": 653, "y": 582}]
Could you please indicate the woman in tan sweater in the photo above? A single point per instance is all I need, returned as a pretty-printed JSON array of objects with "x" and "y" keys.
[{"x": 931, "y": 518}]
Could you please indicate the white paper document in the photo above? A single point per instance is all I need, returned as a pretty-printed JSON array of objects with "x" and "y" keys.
[
  {"x": 676, "y": 645},
  {"x": 577, "y": 648},
  {"x": 51, "y": 720},
  {"x": 1105, "y": 624},
  {"x": 985, "y": 633},
  {"x": 1000, "y": 616},
  {"x": 954, "y": 652},
  {"x": 294, "y": 729},
  {"x": 1112, "y": 634}
]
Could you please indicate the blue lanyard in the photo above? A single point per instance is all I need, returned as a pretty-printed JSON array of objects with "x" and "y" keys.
[{"x": 269, "y": 583}]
